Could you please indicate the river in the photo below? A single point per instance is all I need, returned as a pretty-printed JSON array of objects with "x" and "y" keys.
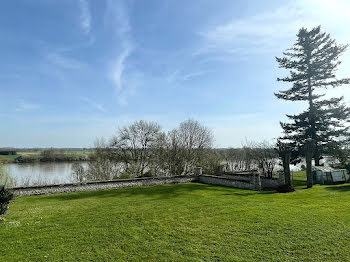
[{"x": 41, "y": 173}]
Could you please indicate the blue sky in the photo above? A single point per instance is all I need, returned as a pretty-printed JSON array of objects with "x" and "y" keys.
[{"x": 72, "y": 71}]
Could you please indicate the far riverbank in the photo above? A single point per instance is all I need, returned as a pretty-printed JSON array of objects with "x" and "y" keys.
[{"x": 46, "y": 156}]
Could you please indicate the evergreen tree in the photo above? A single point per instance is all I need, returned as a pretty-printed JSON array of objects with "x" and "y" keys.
[{"x": 313, "y": 61}]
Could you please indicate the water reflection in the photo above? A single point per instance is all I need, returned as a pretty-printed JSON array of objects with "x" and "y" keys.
[{"x": 41, "y": 173}]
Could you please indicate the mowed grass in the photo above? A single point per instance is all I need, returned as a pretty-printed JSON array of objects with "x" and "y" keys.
[{"x": 183, "y": 222}]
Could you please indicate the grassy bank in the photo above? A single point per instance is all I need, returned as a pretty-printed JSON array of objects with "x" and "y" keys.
[
  {"x": 187, "y": 222},
  {"x": 11, "y": 158},
  {"x": 30, "y": 157}
]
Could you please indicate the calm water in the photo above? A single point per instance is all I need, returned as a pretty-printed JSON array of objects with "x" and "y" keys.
[{"x": 39, "y": 173}]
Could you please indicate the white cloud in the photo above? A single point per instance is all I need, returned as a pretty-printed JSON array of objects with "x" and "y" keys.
[
  {"x": 26, "y": 106},
  {"x": 261, "y": 33},
  {"x": 117, "y": 19},
  {"x": 196, "y": 74},
  {"x": 64, "y": 61},
  {"x": 85, "y": 16},
  {"x": 178, "y": 76},
  {"x": 99, "y": 107},
  {"x": 273, "y": 31},
  {"x": 118, "y": 69}
]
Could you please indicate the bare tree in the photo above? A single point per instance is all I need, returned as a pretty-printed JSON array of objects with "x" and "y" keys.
[
  {"x": 266, "y": 157},
  {"x": 79, "y": 174},
  {"x": 135, "y": 146},
  {"x": 5, "y": 179},
  {"x": 101, "y": 167},
  {"x": 251, "y": 156},
  {"x": 185, "y": 147}
]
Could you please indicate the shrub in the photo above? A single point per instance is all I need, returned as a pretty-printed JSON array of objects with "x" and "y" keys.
[
  {"x": 124, "y": 176},
  {"x": 285, "y": 189},
  {"x": 5, "y": 179},
  {"x": 211, "y": 162},
  {"x": 78, "y": 173},
  {"x": 5, "y": 197}
]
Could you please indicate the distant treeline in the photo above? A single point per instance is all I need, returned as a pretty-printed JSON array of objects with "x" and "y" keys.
[
  {"x": 41, "y": 149},
  {"x": 53, "y": 155}
]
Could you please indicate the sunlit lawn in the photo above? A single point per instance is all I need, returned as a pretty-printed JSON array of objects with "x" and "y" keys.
[{"x": 184, "y": 222}]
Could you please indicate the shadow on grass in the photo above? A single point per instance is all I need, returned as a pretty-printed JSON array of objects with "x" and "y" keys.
[
  {"x": 154, "y": 192},
  {"x": 342, "y": 188},
  {"x": 299, "y": 180}
]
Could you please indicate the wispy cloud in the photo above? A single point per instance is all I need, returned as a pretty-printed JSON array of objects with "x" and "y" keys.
[
  {"x": 99, "y": 107},
  {"x": 117, "y": 20},
  {"x": 195, "y": 74},
  {"x": 179, "y": 76},
  {"x": 118, "y": 69},
  {"x": 272, "y": 31},
  {"x": 264, "y": 32},
  {"x": 26, "y": 106},
  {"x": 85, "y": 16},
  {"x": 64, "y": 61}
]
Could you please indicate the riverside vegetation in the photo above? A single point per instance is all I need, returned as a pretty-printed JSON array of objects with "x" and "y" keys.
[
  {"x": 142, "y": 149},
  {"x": 46, "y": 155},
  {"x": 6, "y": 195}
]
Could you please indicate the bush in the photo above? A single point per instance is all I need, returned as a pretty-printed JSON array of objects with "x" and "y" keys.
[
  {"x": 6, "y": 196},
  {"x": 124, "y": 176},
  {"x": 5, "y": 179},
  {"x": 78, "y": 173},
  {"x": 211, "y": 162},
  {"x": 285, "y": 189}
]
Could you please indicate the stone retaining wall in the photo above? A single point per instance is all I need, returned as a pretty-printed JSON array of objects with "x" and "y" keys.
[
  {"x": 253, "y": 182},
  {"x": 92, "y": 186},
  {"x": 244, "y": 182},
  {"x": 224, "y": 181},
  {"x": 271, "y": 183}
]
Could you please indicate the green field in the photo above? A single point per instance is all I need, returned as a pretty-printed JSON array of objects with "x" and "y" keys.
[
  {"x": 8, "y": 159},
  {"x": 11, "y": 158},
  {"x": 184, "y": 222},
  {"x": 35, "y": 156}
]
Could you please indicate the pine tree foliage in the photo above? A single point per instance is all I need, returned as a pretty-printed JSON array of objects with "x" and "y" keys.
[{"x": 312, "y": 63}]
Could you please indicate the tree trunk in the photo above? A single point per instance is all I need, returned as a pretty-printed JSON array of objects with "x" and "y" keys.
[
  {"x": 317, "y": 157},
  {"x": 286, "y": 169},
  {"x": 309, "y": 153},
  {"x": 311, "y": 113}
]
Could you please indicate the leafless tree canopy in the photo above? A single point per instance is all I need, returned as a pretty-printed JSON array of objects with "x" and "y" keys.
[
  {"x": 185, "y": 147},
  {"x": 136, "y": 145},
  {"x": 143, "y": 149},
  {"x": 252, "y": 155}
]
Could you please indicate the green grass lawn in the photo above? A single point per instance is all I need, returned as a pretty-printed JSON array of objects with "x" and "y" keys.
[{"x": 184, "y": 222}]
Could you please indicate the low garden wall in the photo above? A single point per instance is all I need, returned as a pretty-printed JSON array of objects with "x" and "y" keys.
[
  {"x": 271, "y": 183},
  {"x": 92, "y": 186},
  {"x": 252, "y": 182},
  {"x": 225, "y": 181}
]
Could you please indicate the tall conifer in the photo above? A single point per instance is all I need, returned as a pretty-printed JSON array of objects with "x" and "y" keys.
[{"x": 313, "y": 61}]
